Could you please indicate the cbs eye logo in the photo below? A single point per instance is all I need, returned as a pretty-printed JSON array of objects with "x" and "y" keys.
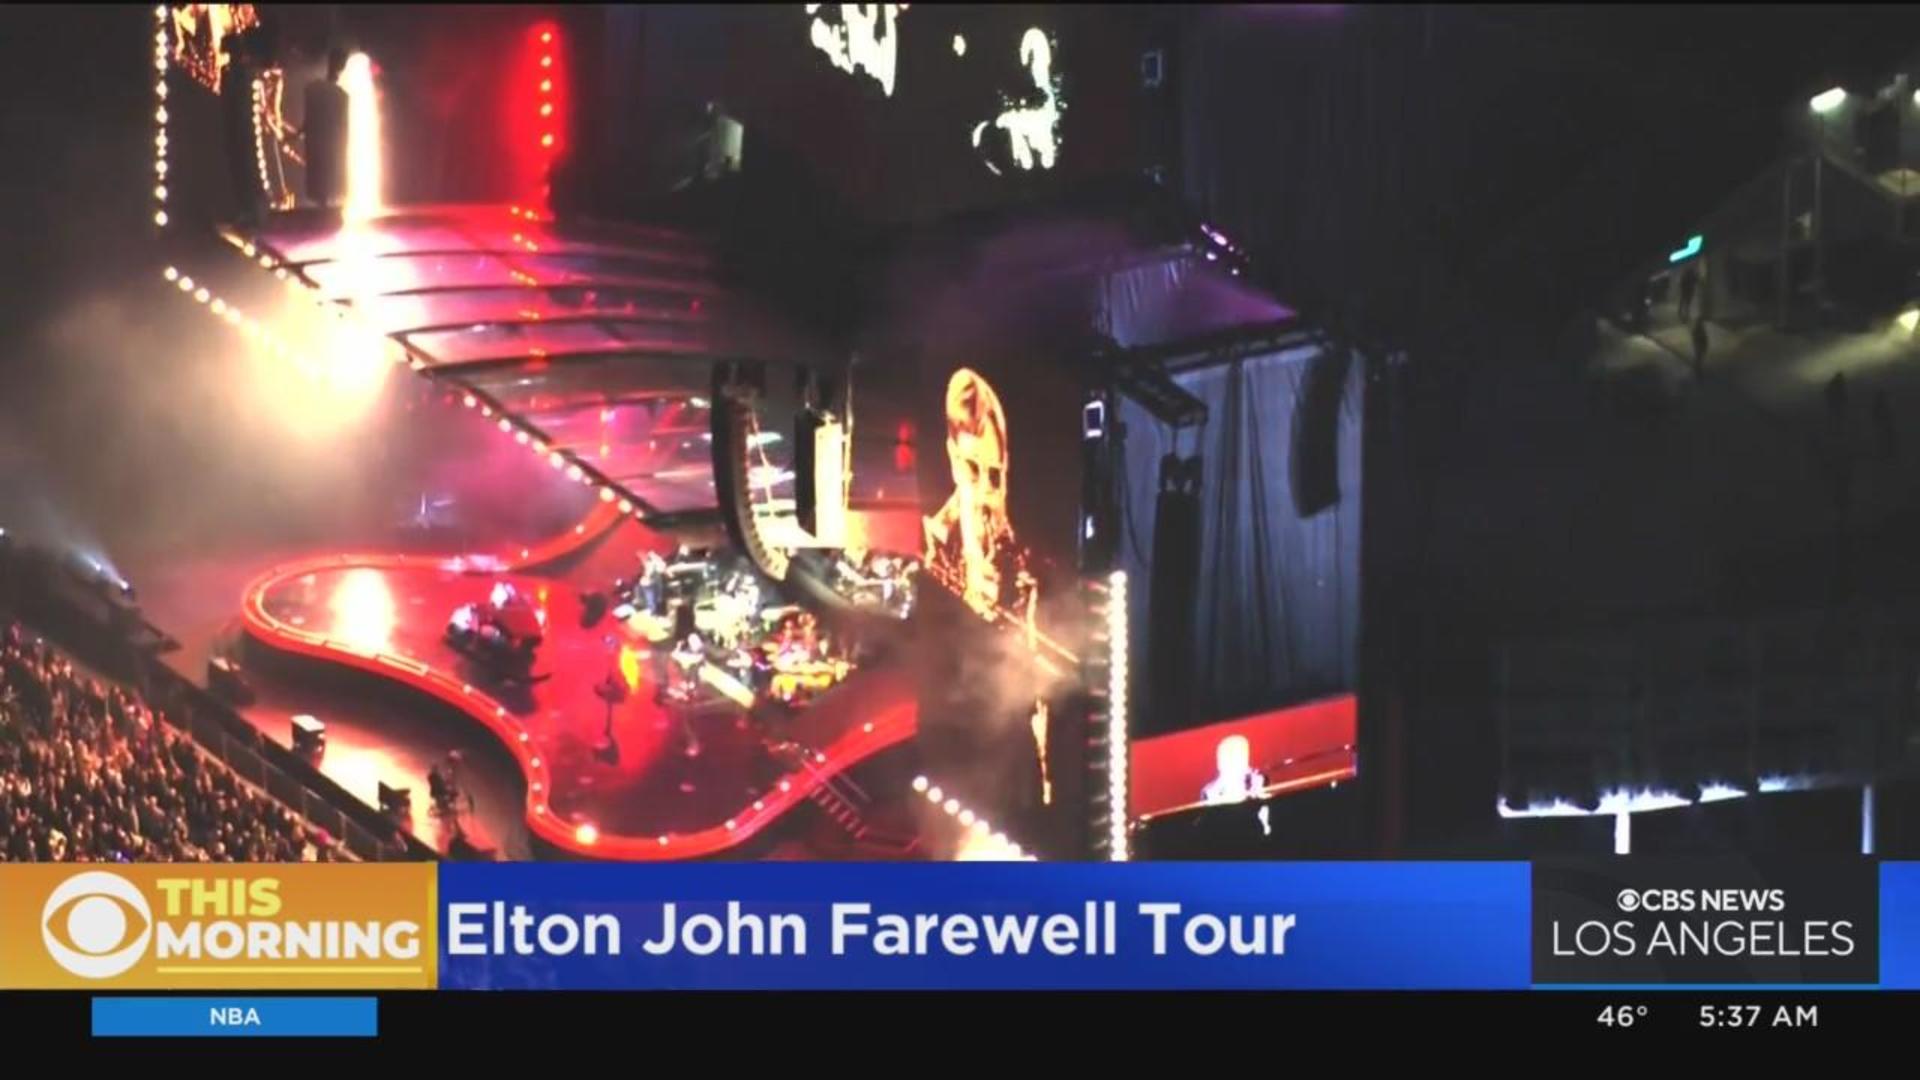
[{"x": 96, "y": 925}]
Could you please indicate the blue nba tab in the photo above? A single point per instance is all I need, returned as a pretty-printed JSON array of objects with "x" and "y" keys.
[
  {"x": 235, "y": 1017},
  {"x": 986, "y": 926}
]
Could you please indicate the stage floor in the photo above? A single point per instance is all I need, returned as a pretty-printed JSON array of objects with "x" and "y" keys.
[{"x": 633, "y": 779}]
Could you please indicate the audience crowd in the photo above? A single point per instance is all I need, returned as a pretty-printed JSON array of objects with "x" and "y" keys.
[{"x": 90, "y": 773}]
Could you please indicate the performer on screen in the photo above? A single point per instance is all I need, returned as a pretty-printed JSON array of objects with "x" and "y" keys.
[
  {"x": 1238, "y": 780},
  {"x": 970, "y": 543},
  {"x": 969, "y": 540}
]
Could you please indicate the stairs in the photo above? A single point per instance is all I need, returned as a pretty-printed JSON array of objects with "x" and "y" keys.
[
  {"x": 841, "y": 812},
  {"x": 844, "y": 803}
]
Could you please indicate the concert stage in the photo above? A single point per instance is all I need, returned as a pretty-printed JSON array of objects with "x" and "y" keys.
[
  {"x": 588, "y": 347},
  {"x": 1001, "y": 338},
  {"x": 632, "y": 779}
]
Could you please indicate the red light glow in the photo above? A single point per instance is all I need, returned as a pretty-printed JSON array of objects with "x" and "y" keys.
[
  {"x": 903, "y": 448},
  {"x": 536, "y": 105},
  {"x": 1289, "y": 749}
]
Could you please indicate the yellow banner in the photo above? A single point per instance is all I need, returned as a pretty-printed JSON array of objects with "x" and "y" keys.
[{"x": 193, "y": 926}]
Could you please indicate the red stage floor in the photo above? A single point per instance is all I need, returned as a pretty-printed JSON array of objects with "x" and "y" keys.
[{"x": 679, "y": 786}]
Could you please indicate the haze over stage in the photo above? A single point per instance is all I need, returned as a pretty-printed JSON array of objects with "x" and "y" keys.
[
  {"x": 598, "y": 338},
  {"x": 559, "y": 327}
]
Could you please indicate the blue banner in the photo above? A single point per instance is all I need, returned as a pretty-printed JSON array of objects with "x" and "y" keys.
[
  {"x": 986, "y": 926},
  {"x": 231, "y": 1017},
  {"x": 1900, "y": 926}
]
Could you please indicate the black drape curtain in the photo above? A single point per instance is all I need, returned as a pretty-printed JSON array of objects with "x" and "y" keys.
[
  {"x": 1304, "y": 140},
  {"x": 1277, "y": 599},
  {"x": 1364, "y": 155}
]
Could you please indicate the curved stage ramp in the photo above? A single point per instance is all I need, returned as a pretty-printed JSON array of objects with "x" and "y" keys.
[{"x": 631, "y": 781}]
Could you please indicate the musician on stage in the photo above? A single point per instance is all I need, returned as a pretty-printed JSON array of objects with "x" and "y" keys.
[
  {"x": 688, "y": 657},
  {"x": 653, "y": 583}
]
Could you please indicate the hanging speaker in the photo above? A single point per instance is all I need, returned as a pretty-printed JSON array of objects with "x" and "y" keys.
[
  {"x": 806, "y": 465},
  {"x": 733, "y": 397},
  {"x": 1101, "y": 448},
  {"x": 1173, "y": 599},
  {"x": 819, "y": 476},
  {"x": 1153, "y": 69},
  {"x": 1316, "y": 433}
]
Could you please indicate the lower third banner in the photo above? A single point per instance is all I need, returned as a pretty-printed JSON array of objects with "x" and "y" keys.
[{"x": 986, "y": 926}]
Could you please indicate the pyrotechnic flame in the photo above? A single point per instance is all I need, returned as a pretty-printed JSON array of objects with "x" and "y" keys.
[{"x": 365, "y": 172}]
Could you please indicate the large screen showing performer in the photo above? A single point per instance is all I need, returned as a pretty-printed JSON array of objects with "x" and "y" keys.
[
  {"x": 999, "y": 609},
  {"x": 901, "y": 110},
  {"x": 1245, "y": 759}
]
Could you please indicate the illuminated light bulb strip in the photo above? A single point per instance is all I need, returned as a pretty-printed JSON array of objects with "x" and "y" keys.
[
  {"x": 967, "y": 818},
  {"x": 260, "y": 137},
  {"x": 231, "y": 314},
  {"x": 160, "y": 116},
  {"x": 546, "y": 90},
  {"x": 547, "y": 47},
  {"x": 1117, "y": 748},
  {"x": 296, "y": 279}
]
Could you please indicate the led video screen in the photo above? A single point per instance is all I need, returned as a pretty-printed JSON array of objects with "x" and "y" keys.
[
  {"x": 900, "y": 110},
  {"x": 999, "y": 610},
  {"x": 1243, "y": 760}
]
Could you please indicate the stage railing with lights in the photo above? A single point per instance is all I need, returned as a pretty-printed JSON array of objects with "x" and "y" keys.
[{"x": 978, "y": 839}]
